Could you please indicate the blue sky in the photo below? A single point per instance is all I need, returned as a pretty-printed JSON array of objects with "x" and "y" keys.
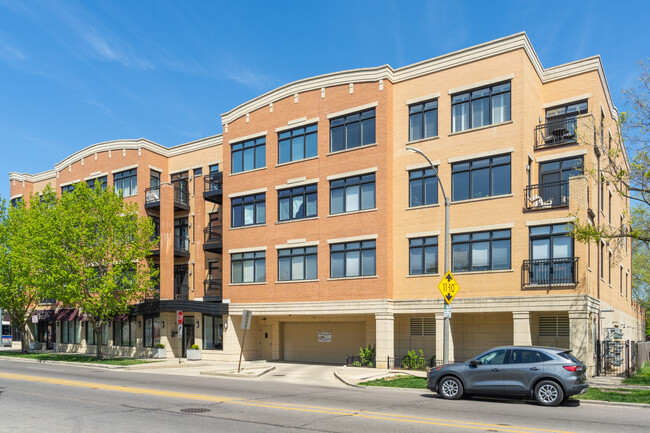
[{"x": 74, "y": 73}]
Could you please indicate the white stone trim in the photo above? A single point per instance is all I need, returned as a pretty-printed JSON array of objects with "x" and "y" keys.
[
  {"x": 15, "y": 196},
  {"x": 249, "y": 192},
  {"x": 352, "y": 173},
  {"x": 290, "y": 244},
  {"x": 562, "y": 155},
  {"x": 482, "y": 228},
  {"x": 549, "y": 221},
  {"x": 180, "y": 171},
  {"x": 481, "y": 155},
  {"x": 423, "y": 234},
  {"x": 247, "y": 137},
  {"x": 352, "y": 110},
  {"x": 297, "y": 183},
  {"x": 95, "y": 175},
  {"x": 247, "y": 250},
  {"x": 481, "y": 84},
  {"x": 297, "y": 123},
  {"x": 423, "y": 98},
  {"x": 69, "y": 183},
  {"x": 567, "y": 101},
  {"x": 352, "y": 239},
  {"x": 159, "y": 170},
  {"x": 422, "y": 165},
  {"x": 128, "y": 167}
]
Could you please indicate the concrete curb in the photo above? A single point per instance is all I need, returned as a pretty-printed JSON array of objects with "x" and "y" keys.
[
  {"x": 70, "y": 363},
  {"x": 354, "y": 385},
  {"x": 614, "y": 403},
  {"x": 244, "y": 374}
]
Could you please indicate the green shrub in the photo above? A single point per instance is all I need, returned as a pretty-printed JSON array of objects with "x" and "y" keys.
[
  {"x": 414, "y": 361},
  {"x": 194, "y": 347},
  {"x": 160, "y": 346},
  {"x": 367, "y": 355}
]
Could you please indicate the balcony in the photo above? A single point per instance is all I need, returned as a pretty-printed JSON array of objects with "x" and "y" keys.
[
  {"x": 212, "y": 241},
  {"x": 213, "y": 187},
  {"x": 181, "y": 246},
  {"x": 182, "y": 293},
  {"x": 557, "y": 133},
  {"x": 152, "y": 197},
  {"x": 181, "y": 198},
  {"x": 213, "y": 290},
  {"x": 547, "y": 195},
  {"x": 550, "y": 272}
]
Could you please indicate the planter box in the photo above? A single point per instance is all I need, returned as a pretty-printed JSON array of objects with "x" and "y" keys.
[
  {"x": 159, "y": 353},
  {"x": 193, "y": 355}
]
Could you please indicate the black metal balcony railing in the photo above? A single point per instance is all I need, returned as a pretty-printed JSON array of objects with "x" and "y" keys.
[
  {"x": 152, "y": 195},
  {"x": 181, "y": 196},
  {"x": 212, "y": 234},
  {"x": 550, "y": 272},
  {"x": 556, "y": 132},
  {"x": 547, "y": 195},
  {"x": 213, "y": 181},
  {"x": 182, "y": 293},
  {"x": 182, "y": 244},
  {"x": 213, "y": 288}
]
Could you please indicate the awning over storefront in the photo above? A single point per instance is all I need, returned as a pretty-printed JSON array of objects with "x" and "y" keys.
[
  {"x": 45, "y": 315},
  {"x": 66, "y": 314}
]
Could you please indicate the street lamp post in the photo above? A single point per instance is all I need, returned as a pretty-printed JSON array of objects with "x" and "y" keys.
[{"x": 445, "y": 335}]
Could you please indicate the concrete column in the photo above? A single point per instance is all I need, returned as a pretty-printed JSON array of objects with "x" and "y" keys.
[
  {"x": 521, "y": 328},
  {"x": 579, "y": 340},
  {"x": 385, "y": 338},
  {"x": 440, "y": 328}
]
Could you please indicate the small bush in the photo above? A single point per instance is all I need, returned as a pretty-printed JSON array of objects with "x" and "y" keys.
[
  {"x": 367, "y": 355},
  {"x": 414, "y": 361},
  {"x": 160, "y": 346},
  {"x": 194, "y": 347}
]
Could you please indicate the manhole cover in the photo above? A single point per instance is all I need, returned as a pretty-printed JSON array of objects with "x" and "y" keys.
[{"x": 195, "y": 410}]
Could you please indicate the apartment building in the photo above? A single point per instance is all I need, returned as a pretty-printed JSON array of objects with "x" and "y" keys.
[{"x": 331, "y": 232}]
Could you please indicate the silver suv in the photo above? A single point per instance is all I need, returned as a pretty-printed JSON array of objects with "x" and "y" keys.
[{"x": 548, "y": 374}]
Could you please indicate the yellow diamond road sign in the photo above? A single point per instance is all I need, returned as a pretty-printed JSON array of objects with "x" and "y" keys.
[{"x": 448, "y": 287}]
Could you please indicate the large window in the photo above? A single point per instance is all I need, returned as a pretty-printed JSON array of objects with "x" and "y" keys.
[
  {"x": 249, "y": 155},
  {"x": 297, "y": 144},
  {"x": 551, "y": 255},
  {"x": 352, "y": 259},
  {"x": 248, "y": 267},
  {"x": 480, "y": 107},
  {"x": 127, "y": 182},
  {"x": 67, "y": 188},
  {"x": 352, "y": 131},
  {"x": 71, "y": 332},
  {"x": 480, "y": 251},
  {"x": 90, "y": 335},
  {"x": 297, "y": 264},
  {"x": 423, "y": 120},
  {"x": 423, "y": 187},
  {"x": 151, "y": 331},
  {"x": 423, "y": 255},
  {"x": 97, "y": 181},
  {"x": 297, "y": 203},
  {"x": 248, "y": 210},
  {"x": 480, "y": 178},
  {"x": 124, "y": 332},
  {"x": 352, "y": 194},
  {"x": 212, "y": 332}
]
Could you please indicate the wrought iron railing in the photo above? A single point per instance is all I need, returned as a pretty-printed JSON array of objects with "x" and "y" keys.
[
  {"x": 152, "y": 195},
  {"x": 556, "y": 132},
  {"x": 213, "y": 287},
  {"x": 547, "y": 195},
  {"x": 550, "y": 272},
  {"x": 213, "y": 181},
  {"x": 181, "y": 195},
  {"x": 212, "y": 234},
  {"x": 411, "y": 363},
  {"x": 182, "y": 293}
]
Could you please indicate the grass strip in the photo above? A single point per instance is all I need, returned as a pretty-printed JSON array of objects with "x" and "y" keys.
[
  {"x": 76, "y": 358},
  {"x": 616, "y": 395},
  {"x": 642, "y": 377},
  {"x": 402, "y": 381}
]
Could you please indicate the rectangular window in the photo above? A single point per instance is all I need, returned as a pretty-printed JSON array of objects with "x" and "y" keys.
[
  {"x": 422, "y": 326},
  {"x": 626, "y": 283},
  {"x": 480, "y": 178},
  {"x": 16, "y": 201},
  {"x": 248, "y": 267},
  {"x": 551, "y": 255},
  {"x": 609, "y": 207},
  {"x": 480, "y": 251},
  {"x": 296, "y": 264},
  {"x": 423, "y": 120},
  {"x": 480, "y": 107},
  {"x": 352, "y": 259},
  {"x": 248, "y": 210},
  {"x": 151, "y": 331},
  {"x": 620, "y": 282},
  {"x": 609, "y": 272},
  {"x": 198, "y": 172},
  {"x": 90, "y": 335},
  {"x": 602, "y": 261},
  {"x": 212, "y": 332},
  {"x": 423, "y": 255},
  {"x": 248, "y": 155},
  {"x": 353, "y": 130},
  {"x": 297, "y": 203},
  {"x": 97, "y": 181},
  {"x": 127, "y": 182},
  {"x": 423, "y": 187},
  {"x": 352, "y": 194},
  {"x": 297, "y": 144},
  {"x": 122, "y": 333},
  {"x": 67, "y": 188},
  {"x": 154, "y": 179}
]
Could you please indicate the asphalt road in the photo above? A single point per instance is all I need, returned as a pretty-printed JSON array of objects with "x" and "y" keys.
[{"x": 61, "y": 398}]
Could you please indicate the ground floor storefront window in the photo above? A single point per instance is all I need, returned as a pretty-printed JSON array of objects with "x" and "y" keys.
[
  {"x": 90, "y": 335},
  {"x": 151, "y": 331},
  {"x": 71, "y": 332},
  {"x": 213, "y": 332}
]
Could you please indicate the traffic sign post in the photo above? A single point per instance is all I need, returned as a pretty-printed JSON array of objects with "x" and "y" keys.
[
  {"x": 447, "y": 311},
  {"x": 448, "y": 287},
  {"x": 245, "y": 325},
  {"x": 35, "y": 322},
  {"x": 179, "y": 321}
]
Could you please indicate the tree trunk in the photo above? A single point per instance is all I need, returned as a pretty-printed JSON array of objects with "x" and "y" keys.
[
  {"x": 99, "y": 332},
  {"x": 24, "y": 343}
]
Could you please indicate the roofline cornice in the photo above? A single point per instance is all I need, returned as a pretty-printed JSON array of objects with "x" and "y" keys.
[{"x": 440, "y": 63}]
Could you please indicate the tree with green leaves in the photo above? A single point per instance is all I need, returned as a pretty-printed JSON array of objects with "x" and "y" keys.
[
  {"x": 103, "y": 246},
  {"x": 25, "y": 254}
]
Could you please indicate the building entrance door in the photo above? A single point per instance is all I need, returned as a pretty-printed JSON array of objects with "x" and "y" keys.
[
  {"x": 188, "y": 335},
  {"x": 265, "y": 341}
]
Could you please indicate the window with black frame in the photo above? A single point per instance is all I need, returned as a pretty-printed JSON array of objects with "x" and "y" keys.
[
  {"x": 423, "y": 255},
  {"x": 297, "y": 203},
  {"x": 352, "y": 131},
  {"x": 248, "y": 155},
  {"x": 296, "y": 264},
  {"x": 151, "y": 331},
  {"x": 70, "y": 331},
  {"x": 353, "y": 259},
  {"x": 249, "y": 267},
  {"x": 480, "y": 107},
  {"x": 551, "y": 255},
  {"x": 126, "y": 182},
  {"x": 423, "y": 187},
  {"x": 554, "y": 180},
  {"x": 296, "y": 144},
  {"x": 90, "y": 335},
  {"x": 423, "y": 120},
  {"x": 97, "y": 181},
  {"x": 67, "y": 188},
  {"x": 481, "y": 251},
  {"x": 352, "y": 194},
  {"x": 480, "y": 178},
  {"x": 212, "y": 332},
  {"x": 248, "y": 210}
]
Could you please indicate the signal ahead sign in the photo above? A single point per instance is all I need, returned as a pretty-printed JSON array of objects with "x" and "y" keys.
[{"x": 448, "y": 287}]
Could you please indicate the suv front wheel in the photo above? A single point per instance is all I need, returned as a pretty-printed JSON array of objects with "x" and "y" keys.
[
  {"x": 549, "y": 393},
  {"x": 450, "y": 388}
]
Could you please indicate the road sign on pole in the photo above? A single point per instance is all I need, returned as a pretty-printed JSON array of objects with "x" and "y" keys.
[
  {"x": 447, "y": 311},
  {"x": 179, "y": 317},
  {"x": 448, "y": 287},
  {"x": 245, "y": 325}
]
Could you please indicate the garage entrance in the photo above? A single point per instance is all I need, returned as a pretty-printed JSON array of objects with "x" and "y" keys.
[{"x": 327, "y": 342}]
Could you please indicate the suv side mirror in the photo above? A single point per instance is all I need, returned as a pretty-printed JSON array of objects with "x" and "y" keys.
[{"x": 474, "y": 363}]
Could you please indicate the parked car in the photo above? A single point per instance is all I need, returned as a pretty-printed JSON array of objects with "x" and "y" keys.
[{"x": 548, "y": 374}]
